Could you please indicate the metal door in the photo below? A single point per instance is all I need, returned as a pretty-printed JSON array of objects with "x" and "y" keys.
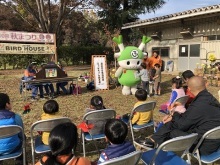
[{"x": 189, "y": 56}]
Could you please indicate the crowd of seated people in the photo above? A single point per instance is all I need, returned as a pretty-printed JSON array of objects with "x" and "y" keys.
[
  {"x": 30, "y": 74},
  {"x": 201, "y": 115}
]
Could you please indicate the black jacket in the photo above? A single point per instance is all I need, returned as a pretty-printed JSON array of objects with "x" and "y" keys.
[{"x": 202, "y": 115}]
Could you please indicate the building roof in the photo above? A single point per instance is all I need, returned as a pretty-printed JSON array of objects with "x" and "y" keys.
[{"x": 175, "y": 16}]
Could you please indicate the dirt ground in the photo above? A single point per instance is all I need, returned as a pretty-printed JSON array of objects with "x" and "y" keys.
[{"x": 73, "y": 106}]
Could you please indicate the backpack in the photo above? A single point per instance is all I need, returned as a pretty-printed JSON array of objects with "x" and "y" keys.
[
  {"x": 77, "y": 88},
  {"x": 73, "y": 89},
  {"x": 90, "y": 86}
]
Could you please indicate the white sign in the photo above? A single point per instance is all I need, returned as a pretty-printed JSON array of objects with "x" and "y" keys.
[
  {"x": 183, "y": 49},
  {"x": 100, "y": 72},
  {"x": 8, "y": 48},
  {"x": 18, "y": 36}
]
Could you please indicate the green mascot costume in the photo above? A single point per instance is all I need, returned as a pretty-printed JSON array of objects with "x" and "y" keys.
[{"x": 129, "y": 60}]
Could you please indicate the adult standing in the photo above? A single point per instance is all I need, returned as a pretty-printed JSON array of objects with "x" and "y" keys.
[
  {"x": 202, "y": 115},
  {"x": 145, "y": 60},
  {"x": 154, "y": 59}
]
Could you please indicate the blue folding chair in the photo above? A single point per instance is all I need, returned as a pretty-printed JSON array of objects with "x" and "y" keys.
[
  {"x": 96, "y": 115},
  {"x": 37, "y": 145},
  {"x": 129, "y": 159},
  {"x": 145, "y": 107},
  {"x": 164, "y": 155},
  {"x": 212, "y": 134},
  {"x": 11, "y": 130}
]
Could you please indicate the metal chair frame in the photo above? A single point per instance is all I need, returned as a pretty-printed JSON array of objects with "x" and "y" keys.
[
  {"x": 181, "y": 143},
  {"x": 145, "y": 107},
  {"x": 10, "y": 130},
  {"x": 44, "y": 126},
  {"x": 183, "y": 100},
  {"x": 96, "y": 115},
  {"x": 129, "y": 159},
  {"x": 211, "y": 135}
]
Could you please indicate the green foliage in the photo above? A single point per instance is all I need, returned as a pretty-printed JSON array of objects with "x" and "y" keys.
[
  {"x": 18, "y": 61},
  {"x": 69, "y": 54},
  {"x": 118, "y": 12},
  {"x": 82, "y": 54}
]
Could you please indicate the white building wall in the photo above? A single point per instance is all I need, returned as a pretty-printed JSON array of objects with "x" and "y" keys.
[
  {"x": 210, "y": 47},
  {"x": 202, "y": 27}
]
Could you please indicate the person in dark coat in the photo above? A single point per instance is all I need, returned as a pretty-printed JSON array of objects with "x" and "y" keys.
[{"x": 202, "y": 115}]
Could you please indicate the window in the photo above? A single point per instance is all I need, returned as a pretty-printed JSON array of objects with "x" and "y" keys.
[
  {"x": 213, "y": 37},
  {"x": 195, "y": 50},
  {"x": 162, "y": 51},
  {"x": 183, "y": 50}
]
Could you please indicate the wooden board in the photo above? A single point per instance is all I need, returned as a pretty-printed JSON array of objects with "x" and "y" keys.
[{"x": 99, "y": 72}]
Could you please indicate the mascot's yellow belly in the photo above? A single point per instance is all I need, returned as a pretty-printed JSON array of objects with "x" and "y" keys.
[{"x": 128, "y": 78}]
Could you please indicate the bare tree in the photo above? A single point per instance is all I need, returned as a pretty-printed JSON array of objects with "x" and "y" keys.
[{"x": 49, "y": 15}]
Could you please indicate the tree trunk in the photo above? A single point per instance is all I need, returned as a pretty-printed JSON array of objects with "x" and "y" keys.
[{"x": 5, "y": 66}]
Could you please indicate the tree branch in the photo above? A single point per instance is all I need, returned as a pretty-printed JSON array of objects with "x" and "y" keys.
[
  {"x": 49, "y": 15},
  {"x": 22, "y": 17},
  {"x": 43, "y": 15},
  {"x": 40, "y": 16},
  {"x": 62, "y": 7},
  {"x": 27, "y": 6}
]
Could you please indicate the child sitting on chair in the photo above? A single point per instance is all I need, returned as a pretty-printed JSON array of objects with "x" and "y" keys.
[
  {"x": 177, "y": 92},
  {"x": 51, "y": 108},
  {"x": 169, "y": 107},
  {"x": 115, "y": 132},
  {"x": 96, "y": 103},
  {"x": 139, "y": 118},
  {"x": 63, "y": 142}
]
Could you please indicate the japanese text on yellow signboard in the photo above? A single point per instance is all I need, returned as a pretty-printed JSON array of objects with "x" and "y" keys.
[{"x": 17, "y": 36}]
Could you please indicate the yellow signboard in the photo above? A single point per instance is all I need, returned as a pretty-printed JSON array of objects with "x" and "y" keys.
[{"x": 9, "y": 48}]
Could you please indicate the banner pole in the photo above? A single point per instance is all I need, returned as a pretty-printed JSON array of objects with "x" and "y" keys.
[{"x": 55, "y": 45}]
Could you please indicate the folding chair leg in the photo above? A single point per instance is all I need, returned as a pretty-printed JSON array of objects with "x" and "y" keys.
[
  {"x": 32, "y": 152},
  {"x": 132, "y": 133},
  {"x": 198, "y": 157},
  {"x": 83, "y": 143},
  {"x": 24, "y": 156},
  {"x": 188, "y": 157}
]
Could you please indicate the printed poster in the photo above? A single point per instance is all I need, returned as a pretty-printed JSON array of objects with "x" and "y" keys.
[{"x": 100, "y": 72}]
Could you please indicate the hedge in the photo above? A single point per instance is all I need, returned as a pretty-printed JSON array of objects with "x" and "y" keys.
[{"x": 82, "y": 54}]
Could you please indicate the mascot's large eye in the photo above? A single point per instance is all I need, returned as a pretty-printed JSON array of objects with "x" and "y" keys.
[
  {"x": 138, "y": 62},
  {"x": 134, "y": 54},
  {"x": 128, "y": 63}
]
